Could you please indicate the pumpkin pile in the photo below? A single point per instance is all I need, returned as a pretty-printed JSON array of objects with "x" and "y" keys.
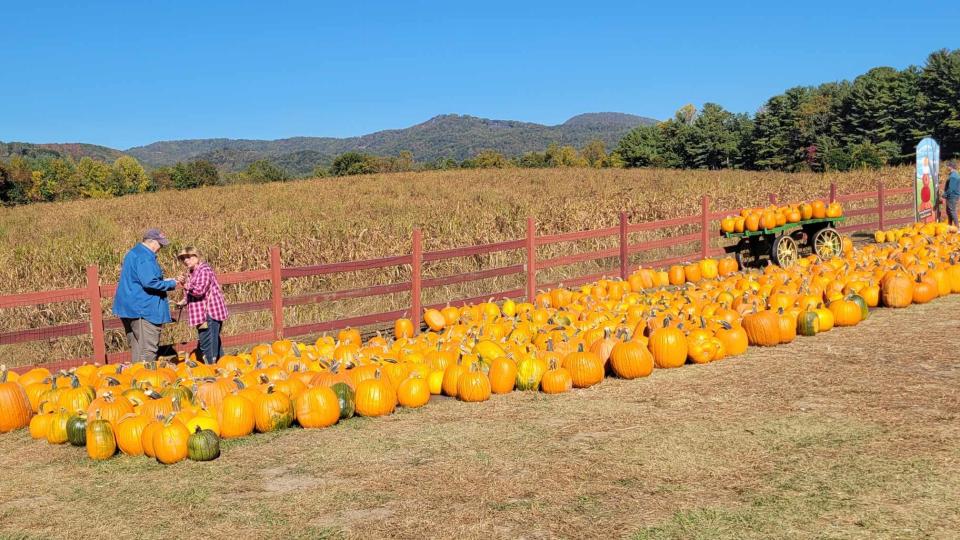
[
  {"x": 773, "y": 216},
  {"x": 905, "y": 236},
  {"x": 697, "y": 313}
]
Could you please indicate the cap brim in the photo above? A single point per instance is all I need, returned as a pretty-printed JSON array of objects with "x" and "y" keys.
[{"x": 163, "y": 241}]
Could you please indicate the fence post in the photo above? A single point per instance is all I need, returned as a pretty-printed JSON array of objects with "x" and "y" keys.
[
  {"x": 96, "y": 314},
  {"x": 833, "y": 192},
  {"x": 416, "y": 263},
  {"x": 705, "y": 224},
  {"x": 880, "y": 202},
  {"x": 624, "y": 247},
  {"x": 276, "y": 292},
  {"x": 773, "y": 198},
  {"x": 531, "y": 259}
]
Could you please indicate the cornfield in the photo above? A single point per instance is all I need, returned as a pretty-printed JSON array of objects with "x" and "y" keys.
[{"x": 47, "y": 246}]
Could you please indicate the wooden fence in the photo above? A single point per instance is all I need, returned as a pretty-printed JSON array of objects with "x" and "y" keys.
[{"x": 705, "y": 242}]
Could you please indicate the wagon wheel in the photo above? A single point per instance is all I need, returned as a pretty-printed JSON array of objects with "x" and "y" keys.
[
  {"x": 827, "y": 243},
  {"x": 784, "y": 251}
]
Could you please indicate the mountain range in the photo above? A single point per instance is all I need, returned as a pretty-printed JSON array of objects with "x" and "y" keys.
[{"x": 445, "y": 136}]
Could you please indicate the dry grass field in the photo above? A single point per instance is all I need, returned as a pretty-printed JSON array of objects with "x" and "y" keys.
[
  {"x": 855, "y": 436},
  {"x": 47, "y": 246}
]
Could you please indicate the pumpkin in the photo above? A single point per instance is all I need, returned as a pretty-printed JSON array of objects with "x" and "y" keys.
[
  {"x": 677, "y": 275},
  {"x": 403, "y": 329},
  {"x": 788, "y": 327},
  {"x": 101, "y": 443},
  {"x": 763, "y": 328},
  {"x": 825, "y": 316},
  {"x": 473, "y": 387},
  {"x": 668, "y": 346},
  {"x": 434, "y": 319},
  {"x": 586, "y": 368},
  {"x": 414, "y": 392},
  {"x": 727, "y": 266},
  {"x": 57, "y": 429},
  {"x": 39, "y": 425},
  {"x": 733, "y": 338},
  {"x": 203, "y": 445},
  {"x": 77, "y": 429},
  {"x": 503, "y": 375},
  {"x": 923, "y": 292},
  {"x": 109, "y": 408},
  {"x": 146, "y": 436},
  {"x": 530, "y": 372},
  {"x": 237, "y": 417},
  {"x": 273, "y": 411},
  {"x": 808, "y": 324},
  {"x": 169, "y": 441},
  {"x": 129, "y": 433},
  {"x": 845, "y": 312},
  {"x": 451, "y": 377},
  {"x": 345, "y": 399},
  {"x": 896, "y": 290},
  {"x": 203, "y": 421},
  {"x": 318, "y": 407},
  {"x": 701, "y": 348},
  {"x": 77, "y": 397},
  {"x": 15, "y": 409},
  {"x": 630, "y": 359},
  {"x": 861, "y": 303},
  {"x": 375, "y": 397},
  {"x": 556, "y": 380}
]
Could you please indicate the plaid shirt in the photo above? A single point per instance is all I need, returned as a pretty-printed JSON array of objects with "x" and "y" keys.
[{"x": 204, "y": 297}]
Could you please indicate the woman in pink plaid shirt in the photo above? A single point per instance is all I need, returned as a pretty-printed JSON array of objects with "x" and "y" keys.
[{"x": 206, "y": 308}]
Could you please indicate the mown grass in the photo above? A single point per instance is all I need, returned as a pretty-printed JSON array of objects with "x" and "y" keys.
[
  {"x": 853, "y": 436},
  {"x": 48, "y": 246}
]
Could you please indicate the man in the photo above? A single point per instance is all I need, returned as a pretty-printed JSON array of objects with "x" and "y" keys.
[
  {"x": 141, "y": 299},
  {"x": 951, "y": 193}
]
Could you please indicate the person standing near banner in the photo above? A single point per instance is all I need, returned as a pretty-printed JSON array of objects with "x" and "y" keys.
[{"x": 951, "y": 193}]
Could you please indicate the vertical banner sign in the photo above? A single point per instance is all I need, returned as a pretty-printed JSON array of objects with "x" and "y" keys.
[{"x": 928, "y": 177}]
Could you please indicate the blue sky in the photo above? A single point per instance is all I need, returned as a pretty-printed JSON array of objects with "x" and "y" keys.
[{"x": 123, "y": 74}]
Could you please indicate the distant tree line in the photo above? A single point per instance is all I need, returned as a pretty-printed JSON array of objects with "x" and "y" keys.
[
  {"x": 873, "y": 121},
  {"x": 52, "y": 177}
]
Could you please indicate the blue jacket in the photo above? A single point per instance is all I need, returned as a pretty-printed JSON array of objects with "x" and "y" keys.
[
  {"x": 952, "y": 189},
  {"x": 142, "y": 291}
]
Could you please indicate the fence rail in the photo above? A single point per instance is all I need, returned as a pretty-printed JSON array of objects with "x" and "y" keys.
[{"x": 703, "y": 243}]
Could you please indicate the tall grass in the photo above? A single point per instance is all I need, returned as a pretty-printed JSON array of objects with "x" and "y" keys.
[{"x": 48, "y": 246}]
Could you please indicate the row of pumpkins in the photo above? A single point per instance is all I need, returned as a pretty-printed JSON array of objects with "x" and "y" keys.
[
  {"x": 755, "y": 219},
  {"x": 905, "y": 235},
  {"x": 564, "y": 339}
]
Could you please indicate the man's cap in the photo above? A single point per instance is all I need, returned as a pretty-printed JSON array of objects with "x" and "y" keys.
[{"x": 155, "y": 234}]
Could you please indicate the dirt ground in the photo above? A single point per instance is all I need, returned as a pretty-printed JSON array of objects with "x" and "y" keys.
[{"x": 852, "y": 434}]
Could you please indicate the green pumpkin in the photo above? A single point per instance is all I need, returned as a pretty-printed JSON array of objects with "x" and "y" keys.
[
  {"x": 203, "y": 445},
  {"x": 808, "y": 324},
  {"x": 864, "y": 308},
  {"x": 77, "y": 430},
  {"x": 346, "y": 398}
]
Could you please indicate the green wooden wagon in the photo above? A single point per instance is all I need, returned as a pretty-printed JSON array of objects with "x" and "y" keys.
[{"x": 783, "y": 245}]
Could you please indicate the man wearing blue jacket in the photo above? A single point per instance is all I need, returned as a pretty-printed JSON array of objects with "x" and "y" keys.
[
  {"x": 141, "y": 299},
  {"x": 951, "y": 193}
]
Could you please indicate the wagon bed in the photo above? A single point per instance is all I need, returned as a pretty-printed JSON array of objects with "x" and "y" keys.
[{"x": 782, "y": 245}]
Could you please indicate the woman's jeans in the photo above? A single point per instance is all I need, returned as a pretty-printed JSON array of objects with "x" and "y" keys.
[{"x": 211, "y": 348}]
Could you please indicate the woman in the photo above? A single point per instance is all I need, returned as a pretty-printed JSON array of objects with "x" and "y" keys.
[{"x": 206, "y": 308}]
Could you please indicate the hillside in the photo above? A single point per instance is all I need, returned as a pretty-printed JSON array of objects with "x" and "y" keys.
[
  {"x": 445, "y": 136},
  {"x": 74, "y": 150}
]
